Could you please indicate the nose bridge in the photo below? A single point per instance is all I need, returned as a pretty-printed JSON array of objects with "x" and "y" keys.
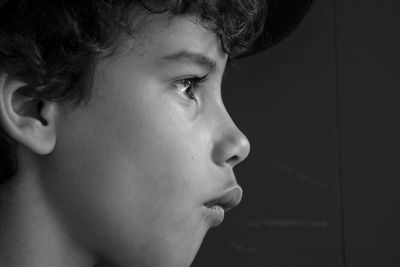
[{"x": 231, "y": 146}]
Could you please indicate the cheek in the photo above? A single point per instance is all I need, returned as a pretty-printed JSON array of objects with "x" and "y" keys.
[{"x": 156, "y": 140}]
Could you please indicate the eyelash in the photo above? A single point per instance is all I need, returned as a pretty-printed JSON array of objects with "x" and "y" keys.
[{"x": 194, "y": 83}]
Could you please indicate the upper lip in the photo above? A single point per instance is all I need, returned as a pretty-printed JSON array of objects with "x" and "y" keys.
[{"x": 227, "y": 200}]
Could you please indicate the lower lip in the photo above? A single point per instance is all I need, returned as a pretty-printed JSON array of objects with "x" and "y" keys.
[{"x": 214, "y": 215}]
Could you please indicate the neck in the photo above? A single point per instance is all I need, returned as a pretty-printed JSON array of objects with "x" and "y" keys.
[{"x": 31, "y": 235}]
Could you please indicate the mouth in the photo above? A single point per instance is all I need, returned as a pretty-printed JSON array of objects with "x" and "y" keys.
[{"x": 217, "y": 207}]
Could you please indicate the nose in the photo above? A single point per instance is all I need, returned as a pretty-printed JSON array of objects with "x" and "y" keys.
[{"x": 231, "y": 146}]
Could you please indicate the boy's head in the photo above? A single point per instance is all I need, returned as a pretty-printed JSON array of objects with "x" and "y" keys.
[
  {"x": 111, "y": 115},
  {"x": 113, "y": 110}
]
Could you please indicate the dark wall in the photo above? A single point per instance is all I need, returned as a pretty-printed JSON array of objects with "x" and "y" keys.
[
  {"x": 321, "y": 110},
  {"x": 369, "y": 82}
]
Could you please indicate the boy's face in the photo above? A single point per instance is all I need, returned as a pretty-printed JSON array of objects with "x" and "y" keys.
[{"x": 132, "y": 170}]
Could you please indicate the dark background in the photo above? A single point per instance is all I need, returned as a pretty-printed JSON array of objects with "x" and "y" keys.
[{"x": 322, "y": 113}]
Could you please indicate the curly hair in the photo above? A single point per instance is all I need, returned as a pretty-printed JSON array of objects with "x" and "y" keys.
[{"x": 52, "y": 46}]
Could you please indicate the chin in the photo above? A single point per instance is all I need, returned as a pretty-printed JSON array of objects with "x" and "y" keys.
[
  {"x": 181, "y": 255},
  {"x": 186, "y": 256}
]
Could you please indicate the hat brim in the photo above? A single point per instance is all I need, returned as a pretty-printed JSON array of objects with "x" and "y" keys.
[{"x": 283, "y": 16}]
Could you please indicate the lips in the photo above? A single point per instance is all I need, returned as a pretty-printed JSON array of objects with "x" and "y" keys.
[
  {"x": 228, "y": 200},
  {"x": 217, "y": 207}
]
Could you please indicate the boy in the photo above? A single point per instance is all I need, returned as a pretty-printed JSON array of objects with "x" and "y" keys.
[{"x": 116, "y": 147}]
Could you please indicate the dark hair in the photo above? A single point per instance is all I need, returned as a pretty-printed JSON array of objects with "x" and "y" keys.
[{"x": 53, "y": 45}]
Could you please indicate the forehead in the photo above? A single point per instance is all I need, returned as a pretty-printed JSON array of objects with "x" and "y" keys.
[{"x": 162, "y": 34}]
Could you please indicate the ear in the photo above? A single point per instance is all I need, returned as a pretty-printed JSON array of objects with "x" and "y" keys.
[{"x": 30, "y": 121}]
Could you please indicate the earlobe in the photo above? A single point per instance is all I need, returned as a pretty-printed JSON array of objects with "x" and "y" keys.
[{"x": 30, "y": 121}]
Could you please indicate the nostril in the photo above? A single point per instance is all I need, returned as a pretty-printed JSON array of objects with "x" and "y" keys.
[{"x": 232, "y": 160}]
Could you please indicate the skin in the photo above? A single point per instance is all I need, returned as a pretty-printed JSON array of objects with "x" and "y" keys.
[{"x": 122, "y": 181}]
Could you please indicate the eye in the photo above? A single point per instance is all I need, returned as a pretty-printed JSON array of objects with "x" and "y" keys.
[{"x": 189, "y": 86}]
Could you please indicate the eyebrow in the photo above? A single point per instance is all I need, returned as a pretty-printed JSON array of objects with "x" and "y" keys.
[{"x": 196, "y": 58}]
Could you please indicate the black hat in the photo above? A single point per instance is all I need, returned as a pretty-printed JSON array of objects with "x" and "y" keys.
[{"x": 282, "y": 18}]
